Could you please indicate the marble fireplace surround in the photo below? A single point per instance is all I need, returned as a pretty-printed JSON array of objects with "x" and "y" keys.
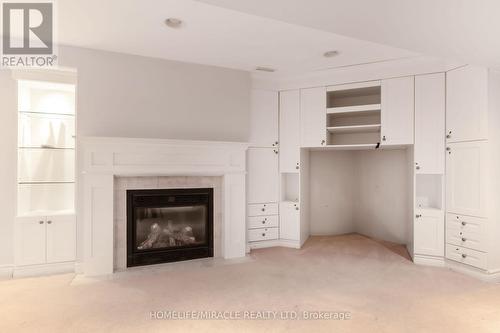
[
  {"x": 112, "y": 165},
  {"x": 122, "y": 184}
]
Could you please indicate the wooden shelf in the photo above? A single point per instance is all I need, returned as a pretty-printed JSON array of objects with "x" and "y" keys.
[
  {"x": 353, "y": 109},
  {"x": 354, "y": 128}
]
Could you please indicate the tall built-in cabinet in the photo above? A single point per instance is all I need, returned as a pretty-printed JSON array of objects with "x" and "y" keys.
[
  {"x": 467, "y": 167},
  {"x": 428, "y": 225},
  {"x": 263, "y": 186},
  {"x": 45, "y": 230}
]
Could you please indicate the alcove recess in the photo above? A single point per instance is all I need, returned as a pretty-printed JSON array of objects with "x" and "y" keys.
[
  {"x": 353, "y": 115},
  {"x": 290, "y": 187},
  {"x": 429, "y": 191}
]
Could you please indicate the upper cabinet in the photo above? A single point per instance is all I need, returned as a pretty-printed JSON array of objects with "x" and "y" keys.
[
  {"x": 429, "y": 123},
  {"x": 263, "y": 180},
  {"x": 467, "y": 104},
  {"x": 289, "y": 131},
  {"x": 397, "y": 111},
  {"x": 313, "y": 117},
  {"x": 264, "y": 118}
]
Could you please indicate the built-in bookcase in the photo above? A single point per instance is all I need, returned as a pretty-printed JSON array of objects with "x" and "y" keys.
[
  {"x": 354, "y": 114},
  {"x": 46, "y": 148}
]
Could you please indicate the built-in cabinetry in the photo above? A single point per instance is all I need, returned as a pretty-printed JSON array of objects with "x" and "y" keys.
[
  {"x": 263, "y": 183},
  {"x": 428, "y": 225},
  {"x": 289, "y": 130},
  {"x": 467, "y": 166},
  {"x": 45, "y": 229}
]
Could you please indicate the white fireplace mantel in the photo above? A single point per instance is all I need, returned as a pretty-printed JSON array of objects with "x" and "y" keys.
[{"x": 105, "y": 158}]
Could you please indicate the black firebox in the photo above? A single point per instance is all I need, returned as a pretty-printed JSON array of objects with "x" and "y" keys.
[{"x": 169, "y": 225}]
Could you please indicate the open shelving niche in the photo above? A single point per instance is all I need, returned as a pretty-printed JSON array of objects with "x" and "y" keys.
[
  {"x": 354, "y": 115},
  {"x": 290, "y": 187},
  {"x": 46, "y": 148},
  {"x": 429, "y": 192}
]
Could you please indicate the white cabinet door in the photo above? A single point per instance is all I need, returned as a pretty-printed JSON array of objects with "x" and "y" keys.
[
  {"x": 30, "y": 241},
  {"x": 264, "y": 118},
  {"x": 466, "y": 104},
  {"x": 397, "y": 111},
  {"x": 313, "y": 117},
  {"x": 263, "y": 175},
  {"x": 429, "y": 123},
  {"x": 428, "y": 232},
  {"x": 466, "y": 178},
  {"x": 61, "y": 238},
  {"x": 289, "y": 131},
  {"x": 289, "y": 220}
]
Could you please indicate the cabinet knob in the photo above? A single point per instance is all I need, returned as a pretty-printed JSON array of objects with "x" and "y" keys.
[
  {"x": 464, "y": 223},
  {"x": 275, "y": 151},
  {"x": 464, "y": 239},
  {"x": 464, "y": 255},
  {"x": 417, "y": 167},
  {"x": 296, "y": 208},
  {"x": 264, "y": 222},
  {"x": 418, "y": 216},
  {"x": 263, "y": 235},
  {"x": 41, "y": 222},
  {"x": 448, "y": 135},
  {"x": 323, "y": 142},
  {"x": 263, "y": 209},
  {"x": 49, "y": 222}
]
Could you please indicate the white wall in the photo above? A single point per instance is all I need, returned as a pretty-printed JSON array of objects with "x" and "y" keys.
[
  {"x": 131, "y": 96},
  {"x": 360, "y": 191},
  {"x": 382, "y": 191},
  {"x": 8, "y": 164},
  {"x": 332, "y": 190}
]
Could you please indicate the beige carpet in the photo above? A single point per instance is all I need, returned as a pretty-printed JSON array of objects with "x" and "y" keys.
[{"x": 383, "y": 292}]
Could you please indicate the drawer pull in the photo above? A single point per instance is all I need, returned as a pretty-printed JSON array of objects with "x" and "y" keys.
[
  {"x": 41, "y": 222},
  {"x": 464, "y": 223},
  {"x": 263, "y": 235},
  {"x": 264, "y": 222},
  {"x": 464, "y": 239},
  {"x": 464, "y": 255},
  {"x": 263, "y": 209}
]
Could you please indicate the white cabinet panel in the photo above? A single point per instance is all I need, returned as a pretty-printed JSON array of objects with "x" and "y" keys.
[
  {"x": 264, "y": 118},
  {"x": 397, "y": 111},
  {"x": 466, "y": 177},
  {"x": 466, "y": 104},
  {"x": 466, "y": 256},
  {"x": 37, "y": 130},
  {"x": 44, "y": 198},
  {"x": 61, "y": 238},
  {"x": 313, "y": 117},
  {"x": 263, "y": 176},
  {"x": 46, "y": 165},
  {"x": 289, "y": 131},
  {"x": 289, "y": 221},
  {"x": 428, "y": 232},
  {"x": 255, "y": 222},
  {"x": 30, "y": 241},
  {"x": 430, "y": 123},
  {"x": 263, "y": 234}
]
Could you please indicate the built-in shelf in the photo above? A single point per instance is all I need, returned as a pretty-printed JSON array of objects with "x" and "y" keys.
[
  {"x": 46, "y": 182},
  {"x": 362, "y": 146},
  {"x": 353, "y": 109},
  {"x": 47, "y": 113},
  {"x": 47, "y": 147},
  {"x": 354, "y": 128}
]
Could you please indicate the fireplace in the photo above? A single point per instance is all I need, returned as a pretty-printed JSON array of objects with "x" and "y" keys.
[{"x": 165, "y": 225}]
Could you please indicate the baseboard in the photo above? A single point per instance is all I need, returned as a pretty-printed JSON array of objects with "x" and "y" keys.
[
  {"x": 424, "y": 260},
  {"x": 483, "y": 275},
  {"x": 79, "y": 267},
  {"x": 46, "y": 269},
  {"x": 6, "y": 271},
  {"x": 274, "y": 243}
]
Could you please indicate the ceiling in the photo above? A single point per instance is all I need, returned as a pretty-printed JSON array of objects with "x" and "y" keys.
[
  {"x": 457, "y": 30},
  {"x": 211, "y": 35}
]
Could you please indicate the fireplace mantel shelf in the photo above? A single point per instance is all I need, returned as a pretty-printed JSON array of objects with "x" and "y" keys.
[{"x": 105, "y": 158}]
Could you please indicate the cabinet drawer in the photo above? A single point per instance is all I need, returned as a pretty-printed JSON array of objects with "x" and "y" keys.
[
  {"x": 263, "y": 209},
  {"x": 466, "y": 256},
  {"x": 255, "y": 235},
  {"x": 466, "y": 231},
  {"x": 262, "y": 221}
]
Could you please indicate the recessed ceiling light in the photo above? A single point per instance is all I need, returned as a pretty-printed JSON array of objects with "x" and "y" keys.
[
  {"x": 331, "y": 54},
  {"x": 173, "y": 22},
  {"x": 265, "y": 69}
]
